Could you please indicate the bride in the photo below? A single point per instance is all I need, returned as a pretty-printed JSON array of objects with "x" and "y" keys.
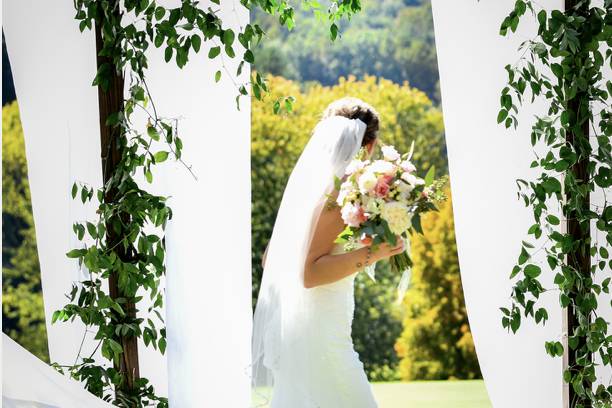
[{"x": 303, "y": 354}]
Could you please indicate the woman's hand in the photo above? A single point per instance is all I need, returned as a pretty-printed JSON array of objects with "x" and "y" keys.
[{"x": 387, "y": 250}]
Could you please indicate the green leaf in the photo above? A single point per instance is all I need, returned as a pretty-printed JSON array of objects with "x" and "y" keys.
[
  {"x": 416, "y": 223},
  {"x": 532, "y": 271},
  {"x": 74, "y": 190},
  {"x": 162, "y": 345},
  {"x": 524, "y": 256},
  {"x": 542, "y": 18},
  {"x": 429, "y": 177},
  {"x": 160, "y": 12},
  {"x": 160, "y": 156},
  {"x": 93, "y": 231},
  {"x": 213, "y": 52},
  {"x": 217, "y": 76},
  {"x": 56, "y": 316},
  {"x": 333, "y": 30},
  {"x": 168, "y": 54},
  {"x": 152, "y": 132},
  {"x": 228, "y": 37},
  {"x": 515, "y": 271},
  {"x": 249, "y": 57},
  {"x": 502, "y": 115},
  {"x": 196, "y": 42},
  {"x": 116, "y": 347},
  {"x": 76, "y": 253}
]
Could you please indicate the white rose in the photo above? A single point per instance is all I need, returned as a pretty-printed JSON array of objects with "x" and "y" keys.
[
  {"x": 354, "y": 166},
  {"x": 412, "y": 179},
  {"x": 403, "y": 187},
  {"x": 352, "y": 215},
  {"x": 389, "y": 153},
  {"x": 367, "y": 181},
  {"x": 382, "y": 166},
  {"x": 407, "y": 166},
  {"x": 397, "y": 216},
  {"x": 346, "y": 188}
]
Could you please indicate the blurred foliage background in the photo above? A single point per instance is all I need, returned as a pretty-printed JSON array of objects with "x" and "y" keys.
[
  {"x": 407, "y": 115},
  {"x": 393, "y": 39},
  {"x": 385, "y": 56},
  {"x": 436, "y": 342},
  {"x": 23, "y": 316}
]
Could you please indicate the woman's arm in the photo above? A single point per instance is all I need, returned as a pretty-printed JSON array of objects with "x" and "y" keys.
[{"x": 321, "y": 267}]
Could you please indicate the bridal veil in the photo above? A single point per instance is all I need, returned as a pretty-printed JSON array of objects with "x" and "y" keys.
[{"x": 283, "y": 319}]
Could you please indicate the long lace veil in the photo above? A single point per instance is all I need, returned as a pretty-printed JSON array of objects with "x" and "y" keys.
[{"x": 282, "y": 318}]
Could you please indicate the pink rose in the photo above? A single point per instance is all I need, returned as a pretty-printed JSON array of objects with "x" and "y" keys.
[
  {"x": 382, "y": 186},
  {"x": 353, "y": 215}
]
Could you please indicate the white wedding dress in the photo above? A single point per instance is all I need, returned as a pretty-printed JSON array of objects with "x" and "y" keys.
[
  {"x": 303, "y": 354},
  {"x": 341, "y": 382}
]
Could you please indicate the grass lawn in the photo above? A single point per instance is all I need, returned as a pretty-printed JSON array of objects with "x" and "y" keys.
[{"x": 432, "y": 394}]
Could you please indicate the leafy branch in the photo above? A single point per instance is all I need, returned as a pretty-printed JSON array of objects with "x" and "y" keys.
[
  {"x": 125, "y": 245},
  {"x": 577, "y": 161}
]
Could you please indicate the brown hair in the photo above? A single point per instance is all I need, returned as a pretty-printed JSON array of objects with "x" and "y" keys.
[{"x": 355, "y": 108}]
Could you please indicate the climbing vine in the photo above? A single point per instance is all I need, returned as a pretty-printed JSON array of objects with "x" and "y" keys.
[
  {"x": 125, "y": 244},
  {"x": 563, "y": 68}
]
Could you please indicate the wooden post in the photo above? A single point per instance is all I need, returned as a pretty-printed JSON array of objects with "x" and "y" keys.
[
  {"x": 109, "y": 102},
  {"x": 580, "y": 257}
]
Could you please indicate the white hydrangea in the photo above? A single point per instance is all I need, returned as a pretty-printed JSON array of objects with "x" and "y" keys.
[
  {"x": 371, "y": 204},
  {"x": 397, "y": 216}
]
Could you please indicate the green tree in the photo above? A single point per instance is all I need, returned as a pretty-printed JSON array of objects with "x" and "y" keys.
[
  {"x": 436, "y": 343},
  {"x": 406, "y": 115},
  {"x": 23, "y": 315},
  {"x": 393, "y": 39}
]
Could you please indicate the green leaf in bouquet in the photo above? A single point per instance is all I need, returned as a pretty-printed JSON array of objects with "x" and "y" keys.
[
  {"x": 344, "y": 236},
  {"x": 377, "y": 241},
  {"x": 389, "y": 236},
  {"x": 368, "y": 229},
  {"x": 416, "y": 223},
  {"x": 337, "y": 183},
  {"x": 429, "y": 177}
]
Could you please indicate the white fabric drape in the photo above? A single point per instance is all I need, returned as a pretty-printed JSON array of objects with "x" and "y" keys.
[
  {"x": 484, "y": 161},
  {"x": 28, "y": 382},
  {"x": 53, "y": 65},
  {"x": 209, "y": 238},
  {"x": 208, "y": 282}
]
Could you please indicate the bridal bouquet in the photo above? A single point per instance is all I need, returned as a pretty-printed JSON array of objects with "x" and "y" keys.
[{"x": 384, "y": 199}]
